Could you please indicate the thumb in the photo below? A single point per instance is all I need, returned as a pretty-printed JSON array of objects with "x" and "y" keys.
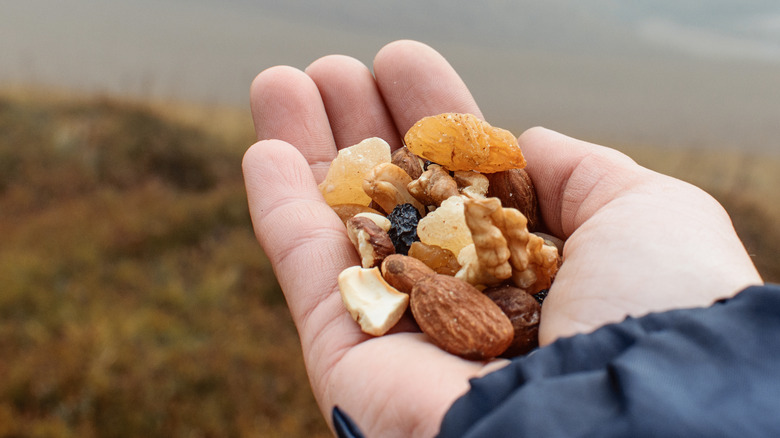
[{"x": 573, "y": 178}]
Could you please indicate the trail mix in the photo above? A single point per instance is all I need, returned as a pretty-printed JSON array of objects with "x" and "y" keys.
[{"x": 448, "y": 226}]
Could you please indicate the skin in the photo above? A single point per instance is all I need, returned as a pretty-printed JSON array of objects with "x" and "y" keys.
[{"x": 636, "y": 241}]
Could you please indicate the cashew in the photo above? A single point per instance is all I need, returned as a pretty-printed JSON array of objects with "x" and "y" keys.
[{"x": 373, "y": 304}]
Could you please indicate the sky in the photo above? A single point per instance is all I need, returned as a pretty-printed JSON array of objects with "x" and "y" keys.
[{"x": 664, "y": 72}]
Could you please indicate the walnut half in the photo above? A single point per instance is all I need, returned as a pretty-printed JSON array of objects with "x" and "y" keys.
[{"x": 504, "y": 248}]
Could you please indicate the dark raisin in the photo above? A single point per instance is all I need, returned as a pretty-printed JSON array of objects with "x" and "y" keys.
[
  {"x": 541, "y": 295},
  {"x": 403, "y": 227}
]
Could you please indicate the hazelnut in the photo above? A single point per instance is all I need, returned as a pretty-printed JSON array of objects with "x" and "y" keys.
[{"x": 516, "y": 190}]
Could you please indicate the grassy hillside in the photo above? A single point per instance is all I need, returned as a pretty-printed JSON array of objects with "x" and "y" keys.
[{"x": 134, "y": 300}]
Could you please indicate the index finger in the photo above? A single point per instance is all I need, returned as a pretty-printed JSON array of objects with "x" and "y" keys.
[{"x": 416, "y": 81}]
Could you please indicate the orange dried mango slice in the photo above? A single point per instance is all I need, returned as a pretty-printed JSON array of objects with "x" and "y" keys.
[
  {"x": 344, "y": 181},
  {"x": 459, "y": 141}
]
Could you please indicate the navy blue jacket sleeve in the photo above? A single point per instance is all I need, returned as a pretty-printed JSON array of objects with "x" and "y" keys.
[
  {"x": 706, "y": 372},
  {"x": 710, "y": 372}
]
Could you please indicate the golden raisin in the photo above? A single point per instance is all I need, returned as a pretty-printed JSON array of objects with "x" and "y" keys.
[
  {"x": 441, "y": 260},
  {"x": 464, "y": 142}
]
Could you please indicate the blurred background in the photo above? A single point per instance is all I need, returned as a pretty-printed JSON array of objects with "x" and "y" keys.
[{"x": 134, "y": 300}]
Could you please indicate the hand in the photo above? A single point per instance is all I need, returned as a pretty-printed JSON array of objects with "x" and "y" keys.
[{"x": 636, "y": 241}]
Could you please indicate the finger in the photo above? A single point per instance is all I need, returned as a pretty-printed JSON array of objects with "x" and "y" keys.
[
  {"x": 286, "y": 105},
  {"x": 416, "y": 81},
  {"x": 352, "y": 101},
  {"x": 306, "y": 244},
  {"x": 574, "y": 178}
]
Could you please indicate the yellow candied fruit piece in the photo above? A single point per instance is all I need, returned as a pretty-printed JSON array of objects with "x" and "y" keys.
[
  {"x": 464, "y": 142},
  {"x": 446, "y": 226},
  {"x": 344, "y": 181}
]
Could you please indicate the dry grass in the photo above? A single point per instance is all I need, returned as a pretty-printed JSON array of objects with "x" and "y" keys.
[{"x": 134, "y": 300}]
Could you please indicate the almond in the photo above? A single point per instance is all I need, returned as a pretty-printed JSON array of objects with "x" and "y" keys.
[
  {"x": 459, "y": 318},
  {"x": 516, "y": 190},
  {"x": 403, "y": 272}
]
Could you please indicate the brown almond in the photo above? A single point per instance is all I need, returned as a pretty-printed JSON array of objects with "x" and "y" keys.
[
  {"x": 523, "y": 311},
  {"x": 516, "y": 190},
  {"x": 459, "y": 318},
  {"x": 403, "y": 272}
]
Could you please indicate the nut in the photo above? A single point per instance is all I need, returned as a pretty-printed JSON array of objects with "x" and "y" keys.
[
  {"x": 373, "y": 304},
  {"x": 434, "y": 186},
  {"x": 382, "y": 221},
  {"x": 523, "y": 311},
  {"x": 346, "y": 211},
  {"x": 551, "y": 240},
  {"x": 516, "y": 190},
  {"x": 372, "y": 242},
  {"x": 386, "y": 185},
  {"x": 406, "y": 160},
  {"x": 403, "y": 272},
  {"x": 459, "y": 318},
  {"x": 542, "y": 265},
  {"x": 470, "y": 183},
  {"x": 504, "y": 248},
  {"x": 470, "y": 269},
  {"x": 484, "y": 218}
]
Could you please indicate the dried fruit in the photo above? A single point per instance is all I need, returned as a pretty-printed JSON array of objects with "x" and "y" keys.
[
  {"x": 344, "y": 181},
  {"x": 541, "y": 295},
  {"x": 446, "y": 226},
  {"x": 459, "y": 318},
  {"x": 403, "y": 227},
  {"x": 523, "y": 311},
  {"x": 441, "y": 260},
  {"x": 464, "y": 142}
]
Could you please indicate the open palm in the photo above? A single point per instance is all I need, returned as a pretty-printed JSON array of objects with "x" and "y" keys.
[{"x": 636, "y": 241}]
